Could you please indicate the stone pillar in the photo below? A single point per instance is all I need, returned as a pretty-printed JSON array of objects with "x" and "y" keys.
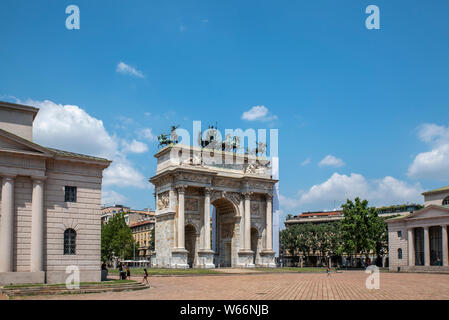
[
  {"x": 247, "y": 223},
  {"x": 411, "y": 247},
  {"x": 181, "y": 219},
  {"x": 205, "y": 254},
  {"x": 7, "y": 225},
  {"x": 445, "y": 246},
  {"x": 206, "y": 219},
  {"x": 426, "y": 247},
  {"x": 37, "y": 225},
  {"x": 269, "y": 223}
]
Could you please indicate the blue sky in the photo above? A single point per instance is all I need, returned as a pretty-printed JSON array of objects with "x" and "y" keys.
[{"x": 359, "y": 112}]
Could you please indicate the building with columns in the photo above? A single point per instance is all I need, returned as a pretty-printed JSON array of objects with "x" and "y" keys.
[
  {"x": 419, "y": 241},
  {"x": 189, "y": 181},
  {"x": 49, "y": 205}
]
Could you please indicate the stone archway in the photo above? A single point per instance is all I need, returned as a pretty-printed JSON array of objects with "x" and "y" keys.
[
  {"x": 190, "y": 243},
  {"x": 225, "y": 222},
  {"x": 185, "y": 190}
]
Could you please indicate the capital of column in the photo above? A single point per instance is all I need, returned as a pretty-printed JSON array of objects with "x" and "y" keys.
[
  {"x": 247, "y": 195},
  {"x": 208, "y": 191},
  {"x": 269, "y": 196},
  {"x": 38, "y": 180},
  {"x": 8, "y": 177},
  {"x": 181, "y": 188}
]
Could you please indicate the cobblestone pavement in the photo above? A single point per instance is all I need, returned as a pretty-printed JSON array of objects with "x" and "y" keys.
[{"x": 347, "y": 285}]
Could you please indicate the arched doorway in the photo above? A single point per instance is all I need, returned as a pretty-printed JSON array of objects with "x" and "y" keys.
[
  {"x": 190, "y": 241},
  {"x": 254, "y": 243},
  {"x": 224, "y": 233}
]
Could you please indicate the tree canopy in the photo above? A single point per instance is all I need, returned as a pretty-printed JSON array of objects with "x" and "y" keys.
[
  {"x": 362, "y": 228},
  {"x": 361, "y": 231},
  {"x": 117, "y": 238}
]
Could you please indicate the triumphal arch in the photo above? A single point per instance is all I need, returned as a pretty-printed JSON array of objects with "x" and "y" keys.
[{"x": 189, "y": 181}]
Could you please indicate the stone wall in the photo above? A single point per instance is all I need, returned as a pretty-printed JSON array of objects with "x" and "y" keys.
[
  {"x": 395, "y": 242},
  {"x": 164, "y": 239},
  {"x": 435, "y": 198},
  {"x": 83, "y": 216}
]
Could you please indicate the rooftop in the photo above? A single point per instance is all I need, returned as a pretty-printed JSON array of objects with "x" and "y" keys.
[
  {"x": 141, "y": 223},
  {"x": 22, "y": 107},
  {"x": 446, "y": 188},
  {"x": 76, "y": 155}
]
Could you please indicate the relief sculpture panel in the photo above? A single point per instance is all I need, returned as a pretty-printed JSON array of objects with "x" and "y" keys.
[
  {"x": 163, "y": 201},
  {"x": 191, "y": 204}
]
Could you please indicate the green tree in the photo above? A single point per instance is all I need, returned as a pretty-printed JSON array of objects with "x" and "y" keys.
[
  {"x": 151, "y": 243},
  {"x": 116, "y": 237},
  {"x": 362, "y": 229}
]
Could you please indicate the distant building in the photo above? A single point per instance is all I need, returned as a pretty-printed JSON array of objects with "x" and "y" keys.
[
  {"x": 419, "y": 240},
  {"x": 332, "y": 216},
  {"x": 132, "y": 216},
  {"x": 142, "y": 233}
]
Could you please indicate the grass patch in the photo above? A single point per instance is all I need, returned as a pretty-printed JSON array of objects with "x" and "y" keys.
[
  {"x": 163, "y": 271},
  {"x": 25, "y": 285}
]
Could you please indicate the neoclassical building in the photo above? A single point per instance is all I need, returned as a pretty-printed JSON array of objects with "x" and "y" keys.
[
  {"x": 189, "y": 181},
  {"x": 49, "y": 207},
  {"x": 419, "y": 240}
]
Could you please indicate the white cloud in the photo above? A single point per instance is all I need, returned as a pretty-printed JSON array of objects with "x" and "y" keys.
[
  {"x": 71, "y": 128},
  {"x": 147, "y": 134},
  {"x": 134, "y": 147},
  {"x": 305, "y": 162},
  {"x": 123, "y": 68},
  {"x": 339, "y": 187},
  {"x": 121, "y": 173},
  {"x": 260, "y": 113},
  {"x": 433, "y": 164},
  {"x": 331, "y": 161},
  {"x": 110, "y": 197},
  {"x": 434, "y": 134}
]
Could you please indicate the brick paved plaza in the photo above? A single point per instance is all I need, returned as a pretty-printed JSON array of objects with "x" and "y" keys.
[{"x": 301, "y": 286}]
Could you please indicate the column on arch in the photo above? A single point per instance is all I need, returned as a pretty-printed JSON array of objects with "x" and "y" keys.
[
  {"x": 181, "y": 218},
  {"x": 247, "y": 224},
  {"x": 7, "y": 224},
  {"x": 206, "y": 220},
  {"x": 269, "y": 222}
]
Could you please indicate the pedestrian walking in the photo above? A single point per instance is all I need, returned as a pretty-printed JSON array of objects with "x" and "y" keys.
[
  {"x": 128, "y": 273},
  {"x": 145, "y": 277}
]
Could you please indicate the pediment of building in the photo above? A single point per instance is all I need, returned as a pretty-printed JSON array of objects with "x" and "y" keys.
[
  {"x": 431, "y": 211},
  {"x": 15, "y": 144}
]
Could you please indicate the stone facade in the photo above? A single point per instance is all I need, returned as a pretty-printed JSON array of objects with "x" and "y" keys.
[
  {"x": 241, "y": 193},
  {"x": 34, "y": 212},
  {"x": 419, "y": 241}
]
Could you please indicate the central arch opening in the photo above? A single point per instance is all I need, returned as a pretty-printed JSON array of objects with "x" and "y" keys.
[
  {"x": 255, "y": 243},
  {"x": 190, "y": 243},
  {"x": 224, "y": 221}
]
